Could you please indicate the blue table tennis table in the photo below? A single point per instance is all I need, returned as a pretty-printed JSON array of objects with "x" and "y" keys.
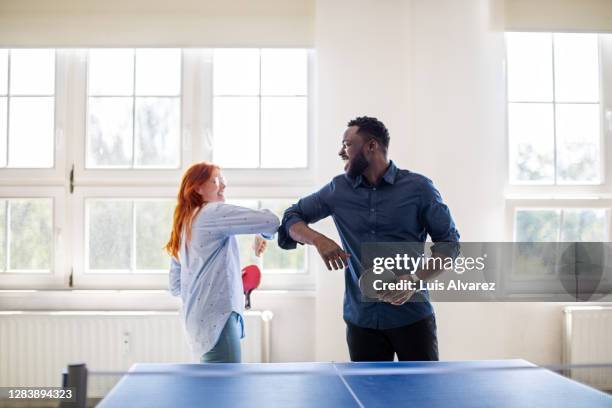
[{"x": 498, "y": 383}]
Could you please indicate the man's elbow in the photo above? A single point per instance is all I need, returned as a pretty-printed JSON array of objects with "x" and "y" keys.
[{"x": 295, "y": 230}]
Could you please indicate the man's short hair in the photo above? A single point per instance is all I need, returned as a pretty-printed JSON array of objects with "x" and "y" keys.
[{"x": 372, "y": 127}]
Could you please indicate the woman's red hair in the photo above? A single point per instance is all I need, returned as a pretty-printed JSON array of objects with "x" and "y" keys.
[{"x": 189, "y": 202}]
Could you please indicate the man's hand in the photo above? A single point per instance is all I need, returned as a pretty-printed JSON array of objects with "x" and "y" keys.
[
  {"x": 398, "y": 297},
  {"x": 333, "y": 256},
  {"x": 259, "y": 245}
]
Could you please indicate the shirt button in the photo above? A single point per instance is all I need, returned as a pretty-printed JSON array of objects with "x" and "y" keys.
[
  {"x": 374, "y": 189},
  {"x": 373, "y": 232},
  {"x": 372, "y": 210}
]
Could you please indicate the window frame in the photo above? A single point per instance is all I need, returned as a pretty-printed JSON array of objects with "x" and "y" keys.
[
  {"x": 13, "y": 176},
  {"x": 125, "y": 176},
  {"x": 605, "y": 153},
  {"x": 58, "y": 277},
  {"x": 112, "y": 280},
  {"x": 530, "y": 195},
  {"x": 70, "y": 183},
  {"x": 523, "y": 286},
  {"x": 277, "y": 176}
]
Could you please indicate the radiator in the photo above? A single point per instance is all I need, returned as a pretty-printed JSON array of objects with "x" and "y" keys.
[
  {"x": 588, "y": 339},
  {"x": 35, "y": 347}
]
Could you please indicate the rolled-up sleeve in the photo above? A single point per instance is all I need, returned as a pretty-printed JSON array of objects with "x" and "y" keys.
[
  {"x": 309, "y": 210},
  {"x": 175, "y": 277},
  {"x": 438, "y": 222},
  {"x": 228, "y": 219}
]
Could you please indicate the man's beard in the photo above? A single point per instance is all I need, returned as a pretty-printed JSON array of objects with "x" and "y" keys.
[{"x": 357, "y": 166}]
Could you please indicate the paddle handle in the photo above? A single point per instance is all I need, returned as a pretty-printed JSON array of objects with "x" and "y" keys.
[{"x": 247, "y": 303}]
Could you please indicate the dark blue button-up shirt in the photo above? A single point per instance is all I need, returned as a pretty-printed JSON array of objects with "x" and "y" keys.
[{"x": 403, "y": 207}]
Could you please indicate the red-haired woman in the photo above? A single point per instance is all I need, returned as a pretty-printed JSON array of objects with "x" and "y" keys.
[{"x": 205, "y": 268}]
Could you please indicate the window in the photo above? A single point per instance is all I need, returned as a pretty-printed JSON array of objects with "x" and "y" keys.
[
  {"x": 27, "y": 91},
  {"x": 26, "y": 235},
  {"x": 560, "y": 249},
  {"x": 127, "y": 235},
  {"x": 134, "y": 99},
  {"x": 559, "y": 100},
  {"x": 93, "y": 143},
  {"x": 260, "y": 108},
  {"x": 554, "y": 108},
  {"x": 561, "y": 225}
]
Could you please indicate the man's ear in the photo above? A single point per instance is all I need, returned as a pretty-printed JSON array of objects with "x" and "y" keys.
[{"x": 372, "y": 145}]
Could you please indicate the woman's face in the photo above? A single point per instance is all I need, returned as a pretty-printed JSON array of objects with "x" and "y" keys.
[{"x": 212, "y": 189}]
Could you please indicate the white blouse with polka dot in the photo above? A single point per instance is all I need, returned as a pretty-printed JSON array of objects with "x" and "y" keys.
[{"x": 208, "y": 276}]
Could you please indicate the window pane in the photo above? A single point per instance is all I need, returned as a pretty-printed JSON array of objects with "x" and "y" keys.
[
  {"x": 284, "y": 132},
  {"x": 578, "y": 135},
  {"x": 537, "y": 225},
  {"x": 580, "y": 225},
  {"x": 109, "y": 132},
  {"x": 31, "y": 132},
  {"x": 158, "y": 72},
  {"x": 109, "y": 237},
  {"x": 33, "y": 72},
  {"x": 3, "y": 129},
  {"x": 111, "y": 72},
  {"x": 236, "y": 131},
  {"x": 153, "y": 226},
  {"x": 576, "y": 68},
  {"x": 236, "y": 72},
  {"x": 3, "y": 71},
  {"x": 31, "y": 234},
  {"x": 276, "y": 259},
  {"x": 529, "y": 67},
  {"x": 157, "y": 132},
  {"x": 531, "y": 134},
  {"x": 3, "y": 208},
  {"x": 284, "y": 72}
]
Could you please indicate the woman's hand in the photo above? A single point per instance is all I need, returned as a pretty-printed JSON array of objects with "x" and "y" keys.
[{"x": 259, "y": 245}]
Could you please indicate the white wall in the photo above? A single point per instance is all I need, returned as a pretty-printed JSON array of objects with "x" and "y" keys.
[
  {"x": 559, "y": 15},
  {"x": 157, "y": 23}
]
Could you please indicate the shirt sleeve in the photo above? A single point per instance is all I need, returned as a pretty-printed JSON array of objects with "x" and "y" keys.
[
  {"x": 438, "y": 222},
  {"x": 309, "y": 209},
  {"x": 175, "y": 277},
  {"x": 228, "y": 219}
]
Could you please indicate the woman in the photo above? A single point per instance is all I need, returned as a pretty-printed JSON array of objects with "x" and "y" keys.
[{"x": 205, "y": 269}]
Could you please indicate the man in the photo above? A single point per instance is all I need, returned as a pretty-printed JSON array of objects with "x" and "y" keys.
[{"x": 374, "y": 201}]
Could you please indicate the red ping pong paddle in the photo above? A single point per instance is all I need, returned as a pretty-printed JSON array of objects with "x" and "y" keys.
[{"x": 251, "y": 277}]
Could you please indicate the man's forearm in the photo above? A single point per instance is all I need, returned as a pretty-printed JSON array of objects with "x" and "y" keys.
[
  {"x": 301, "y": 232},
  {"x": 333, "y": 256}
]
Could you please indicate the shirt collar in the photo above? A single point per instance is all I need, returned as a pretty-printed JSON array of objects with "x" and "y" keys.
[{"x": 389, "y": 175}]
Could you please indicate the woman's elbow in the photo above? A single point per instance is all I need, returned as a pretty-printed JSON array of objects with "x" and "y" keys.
[
  {"x": 275, "y": 222},
  {"x": 271, "y": 223}
]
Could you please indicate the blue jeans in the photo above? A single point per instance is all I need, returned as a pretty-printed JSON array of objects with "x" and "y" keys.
[{"x": 227, "y": 349}]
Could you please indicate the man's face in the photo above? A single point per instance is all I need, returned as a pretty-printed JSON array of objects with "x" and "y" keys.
[{"x": 352, "y": 152}]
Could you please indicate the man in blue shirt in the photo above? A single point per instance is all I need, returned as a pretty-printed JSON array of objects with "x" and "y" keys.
[{"x": 374, "y": 201}]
